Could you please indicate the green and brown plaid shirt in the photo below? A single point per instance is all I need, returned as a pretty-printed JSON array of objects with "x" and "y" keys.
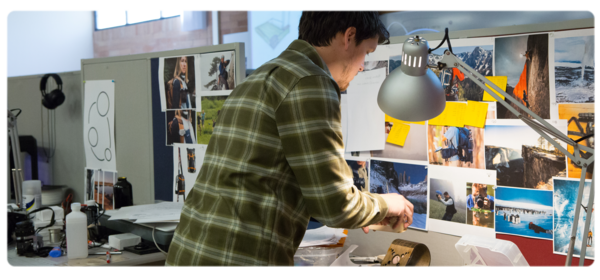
[{"x": 275, "y": 159}]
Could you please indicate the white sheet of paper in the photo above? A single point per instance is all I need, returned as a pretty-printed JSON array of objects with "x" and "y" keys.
[
  {"x": 322, "y": 236},
  {"x": 365, "y": 119},
  {"x": 99, "y": 125},
  {"x": 190, "y": 177},
  {"x": 460, "y": 177}
]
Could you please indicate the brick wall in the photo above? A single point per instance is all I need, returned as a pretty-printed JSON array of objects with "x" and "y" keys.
[{"x": 163, "y": 35}]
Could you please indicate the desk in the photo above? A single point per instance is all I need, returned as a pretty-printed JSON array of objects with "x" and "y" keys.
[{"x": 125, "y": 259}]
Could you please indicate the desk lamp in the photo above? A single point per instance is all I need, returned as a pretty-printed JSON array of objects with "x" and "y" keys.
[{"x": 413, "y": 93}]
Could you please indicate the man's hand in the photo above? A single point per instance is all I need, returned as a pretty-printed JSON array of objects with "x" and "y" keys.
[{"x": 398, "y": 206}]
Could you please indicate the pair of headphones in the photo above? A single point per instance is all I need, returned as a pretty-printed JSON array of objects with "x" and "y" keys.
[{"x": 55, "y": 97}]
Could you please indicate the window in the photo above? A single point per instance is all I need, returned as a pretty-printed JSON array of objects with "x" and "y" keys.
[{"x": 111, "y": 19}]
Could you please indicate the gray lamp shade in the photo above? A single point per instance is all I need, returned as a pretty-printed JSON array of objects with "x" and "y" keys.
[{"x": 412, "y": 92}]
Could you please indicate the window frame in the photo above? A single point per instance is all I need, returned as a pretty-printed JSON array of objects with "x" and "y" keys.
[{"x": 126, "y": 23}]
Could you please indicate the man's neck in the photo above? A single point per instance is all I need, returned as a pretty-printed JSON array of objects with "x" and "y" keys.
[{"x": 329, "y": 56}]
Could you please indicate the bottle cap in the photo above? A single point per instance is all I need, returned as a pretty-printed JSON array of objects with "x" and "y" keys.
[{"x": 76, "y": 206}]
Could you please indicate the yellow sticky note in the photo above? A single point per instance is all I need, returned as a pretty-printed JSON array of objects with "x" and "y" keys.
[
  {"x": 392, "y": 120},
  {"x": 398, "y": 134},
  {"x": 453, "y": 115},
  {"x": 499, "y": 81},
  {"x": 476, "y": 113}
]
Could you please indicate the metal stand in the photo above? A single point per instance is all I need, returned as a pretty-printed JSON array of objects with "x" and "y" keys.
[
  {"x": 543, "y": 128},
  {"x": 17, "y": 172}
]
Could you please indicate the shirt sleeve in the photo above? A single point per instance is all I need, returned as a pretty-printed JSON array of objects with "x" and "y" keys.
[
  {"x": 309, "y": 124},
  {"x": 447, "y": 203}
]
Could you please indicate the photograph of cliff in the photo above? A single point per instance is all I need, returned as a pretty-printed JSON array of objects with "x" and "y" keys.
[
  {"x": 217, "y": 71},
  {"x": 524, "y": 212},
  {"x": 409, "y": 180},
  {"x": 395, "y": 62},
  {"x": 524, "y": 60},
  {"x": 447, "y": 201},
  {"x": 580, "y": 120},
  {"x": 521, "y": 157},
  {"x": 456, "y": 86},
  {"x": 574, "y": 69},
  {"x": 360, "y": 174}
]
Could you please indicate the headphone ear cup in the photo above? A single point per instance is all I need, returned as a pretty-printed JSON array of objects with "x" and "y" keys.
[{"x": 53, "y": 99}]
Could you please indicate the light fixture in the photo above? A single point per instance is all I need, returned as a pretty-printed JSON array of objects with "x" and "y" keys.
[
  {"x": 413, "y": 94},
  {"x": 410, "y": 93}
]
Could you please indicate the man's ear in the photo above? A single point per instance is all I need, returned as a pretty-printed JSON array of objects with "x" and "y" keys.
[{"x": 349, "y": 37}]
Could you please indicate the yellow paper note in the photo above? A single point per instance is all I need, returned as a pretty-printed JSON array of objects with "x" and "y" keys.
[
  {"x": 476, "y": 113},
  {"x": 499, "y": 81},
  {"x": 453, "y": 115},
  {"x": 398, "y": 134},
  {"x": 392, "y": 120}
]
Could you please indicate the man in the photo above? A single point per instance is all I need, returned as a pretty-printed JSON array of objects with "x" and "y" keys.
[
  {"x": 487, "y": 201},
  {"x": 450, "y": 139},
  {"x": 223, "y": 73},
  {"x": 276, "y": 157},
  {"x": 450, "y": 209}
]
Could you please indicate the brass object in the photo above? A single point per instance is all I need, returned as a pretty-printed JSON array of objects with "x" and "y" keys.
[{"x": 407, "y": 253}]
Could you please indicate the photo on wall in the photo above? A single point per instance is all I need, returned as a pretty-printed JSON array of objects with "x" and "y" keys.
[
  {"x": 415, "y": 146},
  {"x": 580, "y": 121},
  {"x": 177, "y": 82},
  {"x": 565, "y": 197},
  {"x": 211, "y": 107},
  {"x": 456, "y": 85},
  {"x": 360, "y": 174},
  {"x": 574, "y": 69},
  {"x": 524, "y": 212},
  {"x": 480, "y": 205},
  {"x": 180, "y": 127},
  {"x": 409, "y": 180},
  {"x": 456, "y": 146},
  {"x": 521, "y": 157},
  {"x": 217, "y": 71},
  {"x": 446, "y": 201},
  {"x": 524, "y": 60},
  {"x": 103, "y": 185},
  {"x": 187, "y": 162}
]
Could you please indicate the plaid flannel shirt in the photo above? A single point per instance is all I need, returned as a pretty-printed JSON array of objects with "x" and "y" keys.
[{"x": 276, "y": 158}]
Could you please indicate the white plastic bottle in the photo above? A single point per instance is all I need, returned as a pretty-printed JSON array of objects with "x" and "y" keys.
[
  {"x": 77, "y": 246},
  {"x": 32, "y": 195}
]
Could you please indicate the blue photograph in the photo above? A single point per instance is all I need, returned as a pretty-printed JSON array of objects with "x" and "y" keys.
[
  {"x": 574, "y": 69},
  {"x": 409, "y": 180},
  {"x": 524, "y": 212},
  {"x": 565, "y": 197}
]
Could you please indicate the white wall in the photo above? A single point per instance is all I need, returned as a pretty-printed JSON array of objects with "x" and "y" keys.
[{"x": 48, "y": 41}]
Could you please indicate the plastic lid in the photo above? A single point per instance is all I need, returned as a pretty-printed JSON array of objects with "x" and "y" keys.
[
  {"x": 76, "y": 206},
  {"x": 35, "y": 184},
  {"x": 476, "y": 250}
]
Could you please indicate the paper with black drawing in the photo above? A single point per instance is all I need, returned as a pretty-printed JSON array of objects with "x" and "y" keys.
[{"x": 99, "y": 125}]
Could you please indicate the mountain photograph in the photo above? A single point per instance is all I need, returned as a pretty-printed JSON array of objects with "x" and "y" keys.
[
  {"x": 409, "y": 180},
  {"x": 457, "y": 86}
]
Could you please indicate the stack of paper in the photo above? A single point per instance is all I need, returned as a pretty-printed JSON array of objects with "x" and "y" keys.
[
  {"x": 149, "y": 213},
  {"x": 322, "y": 236}
]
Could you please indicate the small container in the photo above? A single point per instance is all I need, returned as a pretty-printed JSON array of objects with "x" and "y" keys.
[
  {"x": 32, "y": 195},
  {"x": 56, "y": 252},
  {"x": 123, "y": 193},
  {"x": 77, "y": 243}
]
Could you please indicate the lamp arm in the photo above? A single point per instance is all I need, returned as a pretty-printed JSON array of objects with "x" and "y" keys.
[{"x": 541, "y": 127}]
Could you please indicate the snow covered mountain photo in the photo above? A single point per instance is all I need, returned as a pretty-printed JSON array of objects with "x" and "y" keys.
[
  {"x": 409, "y": 180},
  {"x": 479, "y": 58}
]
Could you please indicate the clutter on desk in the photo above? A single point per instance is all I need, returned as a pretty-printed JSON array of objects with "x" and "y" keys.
[
  {"x": 322, "y": 236},
  {"x": 123, "y": 193},
  {"x": 407, "y": 253},
  {"x": 481, "y": 251},
  {"x": 149, "y": 213}
]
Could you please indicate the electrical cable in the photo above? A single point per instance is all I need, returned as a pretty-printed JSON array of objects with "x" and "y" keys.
[
  {"x": 446, "y": 38},
  {"x": 584, "y": 137},
  {"x": 18, "y": 112},
  {"x": 156, "y": 244}
]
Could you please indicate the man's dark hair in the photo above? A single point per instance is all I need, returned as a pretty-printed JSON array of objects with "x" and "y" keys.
[
  {"x": 319, "y": 28},
  {"x": 446, "y": 193}
]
